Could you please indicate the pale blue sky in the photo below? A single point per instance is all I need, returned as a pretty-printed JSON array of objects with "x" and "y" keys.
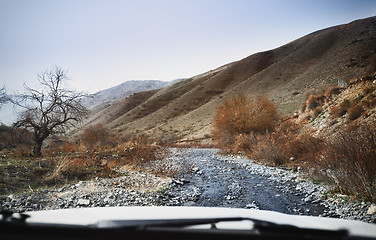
[{"x": 104, "y": 43}]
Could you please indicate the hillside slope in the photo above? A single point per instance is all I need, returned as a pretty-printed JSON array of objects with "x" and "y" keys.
[{"x": 185, "y": 109}]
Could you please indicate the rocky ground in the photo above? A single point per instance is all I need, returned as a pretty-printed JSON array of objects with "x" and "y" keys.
[{"x": 205, "y": 178}]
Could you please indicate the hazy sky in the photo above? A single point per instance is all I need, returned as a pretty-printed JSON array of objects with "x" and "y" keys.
[{"x": 104, "y": 43}]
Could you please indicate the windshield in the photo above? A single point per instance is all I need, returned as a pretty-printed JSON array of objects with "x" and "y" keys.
[{"x": 263, "y": 106}]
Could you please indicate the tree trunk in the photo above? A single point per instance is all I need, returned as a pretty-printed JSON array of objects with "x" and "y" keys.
[{"x": 37, "y": 149}]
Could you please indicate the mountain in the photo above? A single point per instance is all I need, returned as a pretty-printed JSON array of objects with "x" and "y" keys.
[
  {"x": 186, "y": 109},
  {"x": 124, "y": 90}
]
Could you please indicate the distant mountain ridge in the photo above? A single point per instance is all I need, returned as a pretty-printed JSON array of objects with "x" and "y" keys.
[{"x": 124, "y": 90}]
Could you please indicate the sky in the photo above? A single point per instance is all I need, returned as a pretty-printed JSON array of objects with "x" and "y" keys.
[{"x": 103, "y": 43}]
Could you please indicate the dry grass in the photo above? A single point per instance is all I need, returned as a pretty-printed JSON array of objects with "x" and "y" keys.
[
  {"x": 103, "y": 163},
  {"x": 65, "y": 162}
]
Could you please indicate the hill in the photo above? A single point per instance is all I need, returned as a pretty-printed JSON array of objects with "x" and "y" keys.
[
  {"x": 185, "y": 109},
  {"x": 123, "y": 90}
]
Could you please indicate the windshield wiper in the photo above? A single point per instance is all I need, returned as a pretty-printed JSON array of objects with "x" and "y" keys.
[
  {"x": 260, "y": 227},
  {"x": 166, "y": 229}
]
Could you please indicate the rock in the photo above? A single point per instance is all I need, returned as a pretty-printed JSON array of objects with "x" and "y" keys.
[
  {"x": 308, "y": 199},
  {"x": 83, "y": 202},
  {"x": 371, "y": 210},
  {"x": 252, "y": 206},
  {"x": 177, "y": 182}
]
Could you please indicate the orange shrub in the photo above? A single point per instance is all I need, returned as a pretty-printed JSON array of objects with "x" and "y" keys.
[
  {"x": 315, "y": 100},
  {"x": 354, "y": 112},
  {"x": 238, "y": 115},
  {"x": 268, "y": 150},
  {"x": 341, "y": 109},
  {"x": 332, "y": 91},
  {"x": 317, "y": 111}
]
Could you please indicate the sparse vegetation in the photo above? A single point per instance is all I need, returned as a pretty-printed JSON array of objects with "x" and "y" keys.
[{"x": 64, "y": 162}]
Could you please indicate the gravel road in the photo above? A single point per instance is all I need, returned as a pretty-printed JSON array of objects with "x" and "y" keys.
[
  {"x": 236, "y": 182},
  {"x": 206, "y": 179}
]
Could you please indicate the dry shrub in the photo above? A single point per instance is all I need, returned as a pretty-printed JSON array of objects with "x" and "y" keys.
[
  {"x": 16, "y": 140},
  {"x": 288, "y": 145},
  {"x": 368, "y": 89},
  {"x": 59, "y": 147},
  {"x": 341, "y": 109},
  {"x": 350, "y": 155},
  {"x": 369, "y": 101},
  {"x": 238, "y": 115},
  {"x": 244, "y": 143},
  {"x": 302, "y": 147},
  {"x": 85, "y": 165},
  {"x": 97, "y": 136},
  {"x": 167, "y": 139},
  {"x": 315, "y": 100},
  {"x": 317, "y": 111},
  {"x": 334, "y": 90},
  {"x": 263, "y": 115},
  {"x": 268, "y": 151},
  {"x": 354, "y": 112},
  {"x": 21, "y": 150},
  {"x": 136, "y": 153},
  {"x": 78, "y": 167}
]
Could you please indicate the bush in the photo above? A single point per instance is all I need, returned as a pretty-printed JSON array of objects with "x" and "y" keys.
[
  {"x": 332, "y": 91},
  {"x": 96, "y": 136},
  {"x": 317, "y": 111},
  {"x": 350, "y": 155},
  {"x": 244, "y": 143},
  {"x": 315, "y": 100},
  {"x": 17, "y": 140},
  {"x": 354, "y": 112},
  {"x": 368, "y": 89},
  {"x": 268, "y": 150},
  {"x": 238, "y": 115},
  {"x": 287, "y": 145},
  {"x": 341, "y": 109}
]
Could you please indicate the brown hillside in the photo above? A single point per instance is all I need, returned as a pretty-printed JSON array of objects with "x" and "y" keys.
[{"x": 186, "y": 109}]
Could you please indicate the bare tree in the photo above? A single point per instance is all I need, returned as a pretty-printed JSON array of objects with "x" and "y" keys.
[{"x": 51, "y": 109}]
